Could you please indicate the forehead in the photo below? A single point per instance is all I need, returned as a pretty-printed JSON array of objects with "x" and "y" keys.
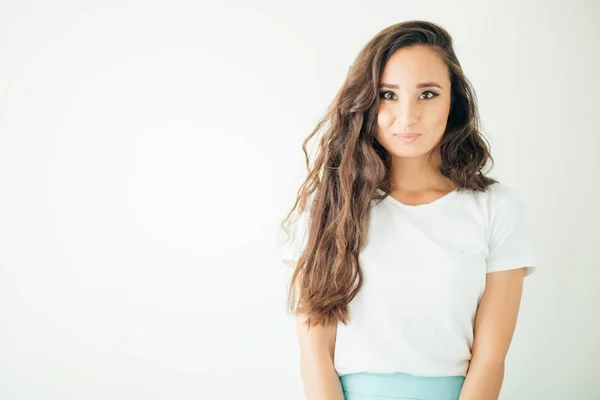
[{"x": 416, "y": 64}]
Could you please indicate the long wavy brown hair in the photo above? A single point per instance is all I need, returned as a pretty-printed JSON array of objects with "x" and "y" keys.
[{"x": 350, "y": 164}]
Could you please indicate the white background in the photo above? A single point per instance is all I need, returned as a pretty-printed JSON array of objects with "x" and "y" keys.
[{"x": 149, "y": 150}]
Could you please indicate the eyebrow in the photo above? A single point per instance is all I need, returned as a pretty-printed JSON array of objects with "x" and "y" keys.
[{"x": 419, "y": 86}]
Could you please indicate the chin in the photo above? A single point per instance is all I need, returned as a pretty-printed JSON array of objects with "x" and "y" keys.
[{"x": 409, "y": 153}]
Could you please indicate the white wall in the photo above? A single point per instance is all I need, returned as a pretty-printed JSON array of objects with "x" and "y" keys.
[{"x": 149, "y": 150}]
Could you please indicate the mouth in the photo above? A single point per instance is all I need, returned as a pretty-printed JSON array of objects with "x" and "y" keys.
[{"x": 407, "y": 137}]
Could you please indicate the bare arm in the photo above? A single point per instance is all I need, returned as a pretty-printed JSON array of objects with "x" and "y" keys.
[
  {"x": 317, "y": 344},
  {"x": 494, "y": 327}
]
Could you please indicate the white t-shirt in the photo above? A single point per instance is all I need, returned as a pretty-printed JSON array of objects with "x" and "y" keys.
[{"x": 424, "y": 272}]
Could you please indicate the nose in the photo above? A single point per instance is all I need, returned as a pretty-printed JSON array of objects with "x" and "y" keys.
[{"x": 407, "y": 114}]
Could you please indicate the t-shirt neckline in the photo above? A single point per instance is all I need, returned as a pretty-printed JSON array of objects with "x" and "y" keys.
[{"x": 433, "y": 203}]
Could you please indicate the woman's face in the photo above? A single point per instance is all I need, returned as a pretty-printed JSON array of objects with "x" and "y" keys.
[{"x": 414, "y": 94}]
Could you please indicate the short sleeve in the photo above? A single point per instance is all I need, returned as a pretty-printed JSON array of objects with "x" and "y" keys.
[
  {"x": 290, "y": 246},
  {"x": 510, "y": 243}
]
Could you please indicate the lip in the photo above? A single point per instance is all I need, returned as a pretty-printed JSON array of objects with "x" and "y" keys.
[{"x": 407, "y": 137}]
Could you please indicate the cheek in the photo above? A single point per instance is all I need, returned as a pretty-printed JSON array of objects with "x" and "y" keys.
[
  {"x": 440, "y": 122},
  {"x": 437, "y": 119},
  {"x": 443, "y": 121},
  {"x": 385, "y": 118}
]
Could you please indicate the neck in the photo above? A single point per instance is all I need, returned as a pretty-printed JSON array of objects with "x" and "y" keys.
[{"x": 418, "y": 174}]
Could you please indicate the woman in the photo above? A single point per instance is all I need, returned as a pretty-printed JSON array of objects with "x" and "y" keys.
[{"x": 408, "y": 260}]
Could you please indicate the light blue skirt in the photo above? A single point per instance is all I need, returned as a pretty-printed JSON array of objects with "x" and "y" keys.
[{"x": 396, "y": 386}]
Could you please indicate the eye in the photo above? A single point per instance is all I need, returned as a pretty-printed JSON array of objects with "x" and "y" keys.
[
  {"x": 431, "y": 96},
  {"x": 383, "y": 95},
  {"x": 389, "y": 95}
]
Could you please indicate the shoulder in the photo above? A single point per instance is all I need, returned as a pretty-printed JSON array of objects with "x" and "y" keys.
[
  {"x": 498, "y": 191},
  {"x": 506, "y": 211},
  {"x": 504, "y": 198},
  {"x": 498, "y": 205},
  {"x": 510, "y": 242},
  {"x": 497, "y": 196}
]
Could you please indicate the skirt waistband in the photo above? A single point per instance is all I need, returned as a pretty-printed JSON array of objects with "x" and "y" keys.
[{"x": 402, "y": 386}]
